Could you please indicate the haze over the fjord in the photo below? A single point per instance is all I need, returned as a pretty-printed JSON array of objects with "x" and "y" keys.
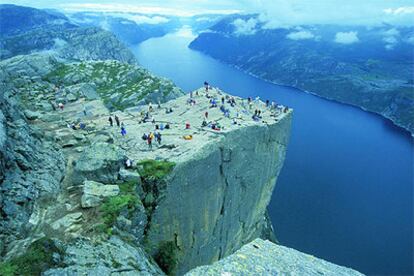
[{"x": 276, "y": 13}]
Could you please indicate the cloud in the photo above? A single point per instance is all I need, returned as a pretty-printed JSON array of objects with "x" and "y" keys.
[
  {"x": 346, "y": 37},
  {"x": 285, "y": 13},
  {"x": 300, "y": 35},
  {"x": 410, "y": 39},
  {"x": 142, "y": 19},
  {"x": 245, "y": 27},
  {"x": 175, "y": 8},
  {"x": 390, "y": 37}
]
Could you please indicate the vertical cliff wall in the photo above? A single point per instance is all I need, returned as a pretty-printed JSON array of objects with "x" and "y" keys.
[{"x": 216, "y": 200}]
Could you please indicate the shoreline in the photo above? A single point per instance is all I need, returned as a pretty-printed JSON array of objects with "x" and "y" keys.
[{"x": 387, "y": 118}]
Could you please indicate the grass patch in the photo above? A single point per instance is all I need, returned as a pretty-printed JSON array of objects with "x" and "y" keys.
[
  {"x": 154, "y": 169},
  {"x": 113, "y": 206},
  {"x": 37, "y": 258}
]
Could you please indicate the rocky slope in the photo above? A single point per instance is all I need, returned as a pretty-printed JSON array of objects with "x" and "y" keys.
[
  {"x": 265, "y": 258},
  {"x": 185, "y": 202},
  {"x": 60, "y": 36},
  {"x": 368, "y": 73}
]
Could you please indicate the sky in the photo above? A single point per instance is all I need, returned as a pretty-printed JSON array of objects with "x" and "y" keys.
[{"x": 274, "y": 12}]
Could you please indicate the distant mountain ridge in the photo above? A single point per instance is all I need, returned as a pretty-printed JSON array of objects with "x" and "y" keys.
[
  {"x": 373, "y": 72},
  {"x": 44, "y": 31}
]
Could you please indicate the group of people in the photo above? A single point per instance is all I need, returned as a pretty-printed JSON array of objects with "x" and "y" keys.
[
  {"x": 150, "y": 137},
  {"x": 118, "y": 124}
]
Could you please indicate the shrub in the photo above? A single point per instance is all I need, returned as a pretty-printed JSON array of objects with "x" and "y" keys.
[
  {"x": 113, "y": 206},
  {"x": 155, "y": 169},
  {"x": 37, "y": 258},
  {"x": 167, "y": 257}
]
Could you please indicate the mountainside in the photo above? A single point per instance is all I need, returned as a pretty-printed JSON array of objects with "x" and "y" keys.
[
  {"x": 61, "y": 37},
  {"x": 130, "y": 28},
  {"x": 367, "y": 67},
  {"x": 84, "y": 192}
]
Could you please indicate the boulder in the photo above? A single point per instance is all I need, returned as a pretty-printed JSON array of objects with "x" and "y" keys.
[
  {"x": 266, "y": 258},
  {"x": 31, "y": 115},
  {"x": 130, "y": 176},
  {"x": 112, "y": 257},
  {"x": 94, "y": 193},
  {"x": 71, "y": 97},
  {"x": 100, "y": 162}
]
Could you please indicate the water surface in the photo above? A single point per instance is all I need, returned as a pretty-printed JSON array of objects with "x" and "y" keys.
[{"x": 345, "y": 193}]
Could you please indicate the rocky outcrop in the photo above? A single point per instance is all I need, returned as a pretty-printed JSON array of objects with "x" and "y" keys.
[
  {"x": 30, "y": 167},
  {"x": 100, "y": 162},
  {"x": 265, "y": 258},
  {"x": 94, "y": 193},
  {"x": 112, "y": 257},
  {"x": 216, "y": 197}
]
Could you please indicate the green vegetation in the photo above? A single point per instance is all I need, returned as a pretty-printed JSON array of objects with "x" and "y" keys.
[
  {"x": 113, "y": 206},
  {"x": 167, "y": 257},
  {"x": 37, "y": 258},
  {"x": 154, "y": 169}
]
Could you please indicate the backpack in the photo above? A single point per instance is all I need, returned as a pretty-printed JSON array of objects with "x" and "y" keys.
[{"x": 144, "y": 137}]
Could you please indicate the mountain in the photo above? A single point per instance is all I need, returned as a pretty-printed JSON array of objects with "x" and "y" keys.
[
  {"x": 17, "y": 19},
  {"x": 367, "y": 67},
  {"x": 44, "y": 31},
  {"x": 130, "y": 28}
]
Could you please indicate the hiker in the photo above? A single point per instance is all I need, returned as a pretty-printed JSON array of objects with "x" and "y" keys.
[
  {"x": 204, "y": 123},
  {"x": 206, "y": 85},
  {"x": 157, "y": 127},
  {"x": 158, "y": 137},
  {"x": 117, "y": 121},
  {"x": 234, "y": 121},
  {"x": 144, "y": 137},
  {"x": 61, "y": 106},
  {"x": 149, "y": 140},
  {"x": 159, "y": 105},
  {"x": 167, "y": 126},
  {"x": 123, "y": 130},
  {"x": 150, "y": 109},
  {"x": 161, "y": 126},
  {"x": 73, "y": 126},
  {"x": 187, "y": 125},
  {"x": 111, "y": 122},
  {"x": 153, "y": 121},
  {"x": 222, "y": 100},
  {"x": 82, "y": 126},
  {"x": 286, "y": 109},
  {"x": 128, "y": 163},
  {"x": 267, "y": 103},
  {"x": 84, "y": 111},
  {"x": 206, "y": 115}
]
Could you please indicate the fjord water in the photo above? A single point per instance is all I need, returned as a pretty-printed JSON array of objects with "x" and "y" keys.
[{"x": 345, "y": 193}]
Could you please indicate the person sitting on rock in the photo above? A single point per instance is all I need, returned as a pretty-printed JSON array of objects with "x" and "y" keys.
[
  {"x": 118, "y": 123},
  {"x": 204, "y": 123},
  {"x": 286, "y": 109},
  {"x": 73, "y": 126},
  {"x": 157, "y": 127},
  {"x": 111, "y": 122},
  {"x": 144, "y": 137},
  {"x": 187, "y": 125},
  {"x": 61, "y": 106},
  {"x": 167, "y": 126},
  {"x": 82, "y": 126},
  {"x": 150, "y": 109}
]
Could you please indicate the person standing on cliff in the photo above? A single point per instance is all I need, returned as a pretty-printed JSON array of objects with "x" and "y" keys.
[
  {"x": 206, "y": 115},
  {"x": 111, "y": 122},
  {"x": 117, "y": 121},
  {"x": 149, "y": 140},
  {"x": 123, "y": 130}
]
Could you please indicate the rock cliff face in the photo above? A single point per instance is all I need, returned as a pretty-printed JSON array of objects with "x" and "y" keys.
[
  {"x": 216, "y": 200},
  {"x": 31, "y": 167},
  {"x": 265, "y": 258}
]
